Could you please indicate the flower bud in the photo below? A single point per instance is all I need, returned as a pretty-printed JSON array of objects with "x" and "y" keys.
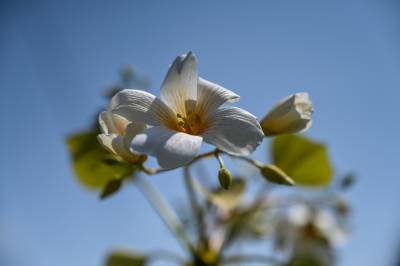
[
  {"x": 290, "y": 115},
  {"x": 225, "y": 178},
  {"x": 275, "y": 175}
]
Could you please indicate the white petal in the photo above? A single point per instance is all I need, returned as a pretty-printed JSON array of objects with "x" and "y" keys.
[
  {"x": 105, "y": 122},
  {"x": 141, "y": 106},
  {"x": 211, "y": 96},
  {"x": 117, "y": 145},
  {"x": 112, "y": 123},
  {"x": 290, "y": 115},
  {"x": 234, "y": 130},
  {"x": 172, "y": 149},
  {"x": 106, "y": 141},
  {"x": 179, "y": 89},
  {"x": 131, "y": 131}
]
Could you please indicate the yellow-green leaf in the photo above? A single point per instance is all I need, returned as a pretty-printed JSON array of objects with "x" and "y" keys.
[
  {"x": 125, "y": 258},
  {"x": 112, "y": 187},
  {"x": 305, "y": 161},
  {"x": 94, "y": 166}
]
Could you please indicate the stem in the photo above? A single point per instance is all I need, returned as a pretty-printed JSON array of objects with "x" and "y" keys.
[
  {"x": 153, "y": 171},
  {"x": 196, "y": 208},
  {"x": 165, "y": 212},
  {"x": 256, "y": 163},
  {"x": 219, "y": 158},
  {"x": 249, "y": 258}
]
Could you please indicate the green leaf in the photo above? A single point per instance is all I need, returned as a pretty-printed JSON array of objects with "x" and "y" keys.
[
  {"x": 112, "y": 187},
  {"x": 125, "y": 258},
  {"x": 305, "y": 161},
  {"x": 94, "y": 166}
]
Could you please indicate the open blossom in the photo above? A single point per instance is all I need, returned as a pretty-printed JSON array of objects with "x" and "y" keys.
[
  {"x": 187, "y": 113},
  {"x": 290, "y": 115},
  {"x": 117, "y": 133}
]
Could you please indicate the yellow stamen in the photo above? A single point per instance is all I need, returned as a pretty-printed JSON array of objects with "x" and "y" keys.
[{"x": 191, "y": 123}]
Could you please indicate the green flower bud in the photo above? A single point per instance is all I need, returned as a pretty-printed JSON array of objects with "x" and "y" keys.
[
  {"x": 275, "y": 175},
  {"x": 225, "y": 178}
]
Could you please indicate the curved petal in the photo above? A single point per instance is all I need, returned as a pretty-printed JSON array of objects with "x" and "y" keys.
[
  {"x": 117, "y": 145},
  {"x": 141, "y": 106},
  {"x": 172, "y": 149},
  {"x": 105, "y": 122},
  {"x": 234, "y": 130},
  {"x": 211, "y": 96},
  {"x": 108, "y": 142},
  {"x": 292, "y": 114},
  {"x": 179, "y": 89},
  {"x": 131, "y": 131},
  {"x": 112, "y": 123}
]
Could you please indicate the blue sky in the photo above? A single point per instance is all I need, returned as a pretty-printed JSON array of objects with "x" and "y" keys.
[{"x": 57, "y": 56}]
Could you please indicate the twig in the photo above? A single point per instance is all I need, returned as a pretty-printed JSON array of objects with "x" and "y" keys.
[
  {"x": 235, "y": 259},
  {"x": 164, "y": 211},
  {"x": 153, "y": 171},
  {"x": 196, "y": 208}
]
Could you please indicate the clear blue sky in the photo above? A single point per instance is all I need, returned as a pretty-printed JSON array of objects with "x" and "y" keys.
[{"x": 57, "y": 56}]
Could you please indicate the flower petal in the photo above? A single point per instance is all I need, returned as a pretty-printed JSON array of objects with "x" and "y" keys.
[
  {"x": 112, "y": 123},
  {"x": 131, "y": 131},
  {"x": 118, "y": 145},
  {"x": 179, "y": 89},
  {"x": 141, "y": 106},
  {"x": 106, "y": 141},
  {"x": 234, "y": 130},
  {"x": 292, "y": 114},
  {"x": 211, "y": 96},
  {"x": 172, "y": 149}
]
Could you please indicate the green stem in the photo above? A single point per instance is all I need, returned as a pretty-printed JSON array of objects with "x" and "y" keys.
[
  {"x": 153, "y": 171},
  {"x": 196, "y": 208},
  {"x": 236, "y": 259},
  {"x": 219, "y": 158},
  {"x": 161, "y": 206}
]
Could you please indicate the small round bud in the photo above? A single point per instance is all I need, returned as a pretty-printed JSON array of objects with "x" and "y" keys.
[{"x": 225, "y": 178}]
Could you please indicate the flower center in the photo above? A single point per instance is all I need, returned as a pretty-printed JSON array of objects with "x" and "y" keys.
[{"x": 191, "y": 123}]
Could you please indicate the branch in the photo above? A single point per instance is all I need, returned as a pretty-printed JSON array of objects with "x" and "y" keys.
[
  {"x": 154, "y": 171},
  {"x": 236, "y": 259},
  {"x": 196, "y": 208},
  {"x": 165, "y": 212}
]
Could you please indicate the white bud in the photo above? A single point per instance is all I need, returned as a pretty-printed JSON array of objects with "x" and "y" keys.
[{"x": 290, "y": 115}]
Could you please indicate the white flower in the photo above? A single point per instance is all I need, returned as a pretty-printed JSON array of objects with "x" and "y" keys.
[
  {"x": 186, "y": 114},
  {"x": 290, "y": 115},
  {"x": 117, "y": 133},
  {"x": 301, "y": 215}
]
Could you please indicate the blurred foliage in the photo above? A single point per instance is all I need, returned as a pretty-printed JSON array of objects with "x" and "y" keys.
[
  {"x": 305, "y": 161},
  {"x": 124, "y": 258},
  {"x": 225, "y": 199},
  {"x": 230, "y": 211},
  {"x": 94, "y": 166}
]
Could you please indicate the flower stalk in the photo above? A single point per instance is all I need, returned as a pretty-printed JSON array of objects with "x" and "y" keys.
[{"x": 159, "y": 203}]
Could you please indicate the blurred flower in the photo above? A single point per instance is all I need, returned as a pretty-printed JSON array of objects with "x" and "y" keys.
[
  {"x": 187, "y": 113},
  {"x": 117, "y": 133},
  {"x": 313, "y": 222},
  {"x": 290, "y": 115}
]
